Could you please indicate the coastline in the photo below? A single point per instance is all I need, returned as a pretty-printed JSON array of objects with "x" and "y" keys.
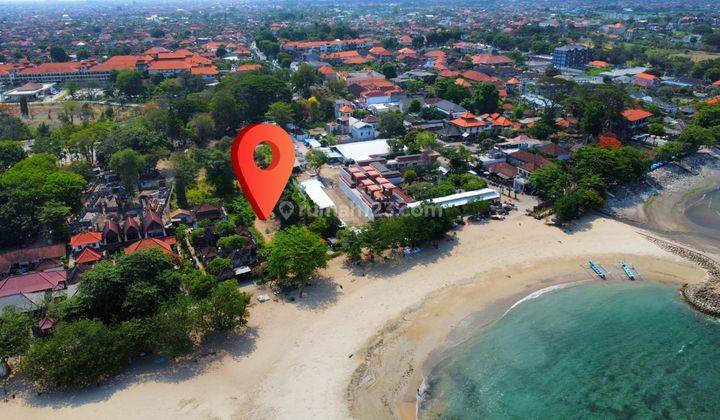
[
  {"x": 297, "y": 358},
  {"x": 417, "y": 341}
]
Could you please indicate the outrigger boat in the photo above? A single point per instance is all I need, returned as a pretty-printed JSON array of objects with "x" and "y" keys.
[
  {"x": 628, "y": 271},
  {"x": 598, "y": 270}
]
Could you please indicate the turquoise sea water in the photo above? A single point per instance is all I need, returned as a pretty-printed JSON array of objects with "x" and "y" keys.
[{"x": 598, "y": 350}]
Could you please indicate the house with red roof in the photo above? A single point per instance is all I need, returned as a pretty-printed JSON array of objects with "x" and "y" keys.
[
  {"x": 246, "y": 68},
  {"x": 599, "y": 64},
  {"x": 82, "y": 240},
  {"x": 646, "y": 80},
  {"x": 468, "y": 124},
  {"x": 36, "y": 257},
  {"x": 636, "y": 117},
  {"x": 163, "y": 245},
  {"x": 327, "y": 72},
  {"x": 36, "y": 281},
  {"x": 491, "y": 60},
  {"x": 88, "y": 256}
]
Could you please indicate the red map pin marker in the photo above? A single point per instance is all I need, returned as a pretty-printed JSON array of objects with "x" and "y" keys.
[{"x": 262, "y": 187}]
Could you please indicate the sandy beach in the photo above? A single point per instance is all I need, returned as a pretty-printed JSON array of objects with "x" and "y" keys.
[{"x": 355, "y": 345}]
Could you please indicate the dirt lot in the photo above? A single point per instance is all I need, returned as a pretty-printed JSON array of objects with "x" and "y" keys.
[
  {"x": 49, "y": 113},
  {"x": 701, "y": 55}
]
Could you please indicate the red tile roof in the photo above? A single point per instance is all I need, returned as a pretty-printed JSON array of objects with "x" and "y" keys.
[
  {"x": 647, "y": 76},
  {"x": 33, "y": 282},
  {"x": 23, "y": 255},
  {"x": 88, "y": 256},
  {"x": 210, "y": 71},
  {"x": 70, "y": 67},
  {"x": 599, "y": 64},
  {"x": 150, "y": 243},
  {"x": 248, "y": 67},
  {"x": 636, "y": 114},
  {"x": 467, "y": 120},
  {"x": 169, "y": 65},
  {"x": 85, "y": 238},
  {"x": 504, "y": 169},
  {"x": 476, "y": 76},
  {"x": 491, "y": 59}
]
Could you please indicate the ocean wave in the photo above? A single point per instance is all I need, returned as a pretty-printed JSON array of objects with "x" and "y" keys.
[{"x": 536, "y": 294}]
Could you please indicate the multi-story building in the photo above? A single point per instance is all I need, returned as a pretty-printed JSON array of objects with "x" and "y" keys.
[
  {"x": 573, "y": 56},
  {"x": 372, "y": 187}
]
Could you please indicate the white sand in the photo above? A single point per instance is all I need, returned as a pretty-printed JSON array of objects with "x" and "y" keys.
[{"x": 295, "y": 360}]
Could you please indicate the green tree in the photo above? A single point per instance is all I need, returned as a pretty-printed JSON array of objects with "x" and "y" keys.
[
  {"x": 128, "y": 164},
  {"x": 225, "y": 112},
  {"x": 58, "y": 54},
  {"x": 220, "y": 266},
  {"x": 483, "y": 100},
  {"x": 227, "y": 307},
  {"x": 129, "y": 83},
  {"x": 304, "y": 78},
  {"x": 186, "y": 171},
  {"x": 54, "y": 217},
  {"x": 410, "y": 176},
  {"x": 281, "y": 112},
  {"x": 414, "y": 106},
  {"x": 200, "y": 285},
  {"x": 10, "y": 153},
  {"x": 389, "y": 70},
  {"x": 231, "y": 243},
  {"x": 550, "y": 181},
  {"x": 293, "y": 257},
  {"x": 316, "y": 159},
  {"x": 14, "y": 335},
  {"x": 12, "y": 128},
  {"x": 81, "y": 352},
  {"x": 390, "y": 124},
  {"x": 203, "y": 126}
]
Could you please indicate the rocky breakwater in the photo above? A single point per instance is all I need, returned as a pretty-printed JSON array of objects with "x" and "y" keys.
[{"x": 704, "y": 296}]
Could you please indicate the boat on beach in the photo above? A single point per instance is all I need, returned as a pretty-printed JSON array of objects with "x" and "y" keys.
[
  {"x": 598, "y": 270},
  {"x": 628, "y": 271}
]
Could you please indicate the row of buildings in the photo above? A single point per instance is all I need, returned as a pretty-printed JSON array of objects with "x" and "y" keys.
[{"x": 154, "y": 61}]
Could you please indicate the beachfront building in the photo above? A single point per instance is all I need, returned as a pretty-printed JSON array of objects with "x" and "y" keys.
[
  {"x": 460, "y": 199},
  {"x": 372, "y": 188}
]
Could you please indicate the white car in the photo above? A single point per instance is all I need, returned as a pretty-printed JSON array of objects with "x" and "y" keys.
[{"x": 411, "y": 251}]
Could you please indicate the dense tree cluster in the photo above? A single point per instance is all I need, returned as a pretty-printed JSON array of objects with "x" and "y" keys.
[
  {"x": 35, "y": 193},
  {"x": 581, "y": 186},
  {"x": 138, "y": 305}
]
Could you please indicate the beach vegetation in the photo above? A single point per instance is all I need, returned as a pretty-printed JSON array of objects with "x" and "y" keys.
[
  {"x": 140, "y": 304},
  {"x": 293, "y": 257}
]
